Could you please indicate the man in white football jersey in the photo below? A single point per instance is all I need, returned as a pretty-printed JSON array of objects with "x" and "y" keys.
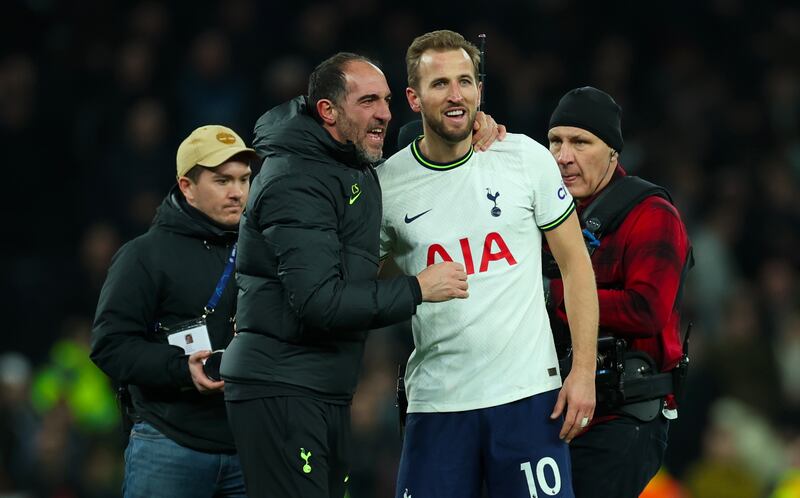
[{"x": 483, "y": 381}]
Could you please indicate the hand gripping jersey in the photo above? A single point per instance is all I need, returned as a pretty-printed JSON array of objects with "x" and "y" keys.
[{"x": 486, "y": 211}]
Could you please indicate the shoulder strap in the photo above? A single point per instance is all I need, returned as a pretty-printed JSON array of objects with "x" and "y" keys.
[
  {"x": 610, "y": 208},
  {"x": 607, "y": 212}
]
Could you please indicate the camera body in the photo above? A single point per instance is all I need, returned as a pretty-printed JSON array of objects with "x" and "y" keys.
[
  {"x": 211, "y": 365},
  {"x": 610, "y": 369}
]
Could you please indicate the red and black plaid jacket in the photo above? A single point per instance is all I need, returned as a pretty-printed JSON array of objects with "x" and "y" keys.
[{"x": 638, "y": 271}]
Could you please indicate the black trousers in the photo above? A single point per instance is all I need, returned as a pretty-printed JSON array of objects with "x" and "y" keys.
[
  {"x": 617, "y": 459},
  {"x": 292, "y": 447}
]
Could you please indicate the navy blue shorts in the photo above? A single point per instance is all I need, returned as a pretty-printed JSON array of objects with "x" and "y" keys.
[{"x": 513, "y": 448}]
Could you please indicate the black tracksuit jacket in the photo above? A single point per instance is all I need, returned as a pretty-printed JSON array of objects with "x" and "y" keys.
[
  {"x": 167, "y": 276},
  {"x": 307, "y": 266}
]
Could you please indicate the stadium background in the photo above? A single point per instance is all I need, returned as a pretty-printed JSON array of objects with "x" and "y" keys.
[{"x": 96, "y": 95}]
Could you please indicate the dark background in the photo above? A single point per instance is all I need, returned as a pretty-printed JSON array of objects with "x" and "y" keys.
[{"x": 95, "y": 97}]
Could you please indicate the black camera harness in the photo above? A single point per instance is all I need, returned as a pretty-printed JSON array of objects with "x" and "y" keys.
[{"x": 626, "y": 381}]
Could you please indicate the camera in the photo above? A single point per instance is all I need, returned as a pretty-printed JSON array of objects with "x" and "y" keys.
[
  {"x": 610, "y": 368},
  {"x": 211, "y": 365}
]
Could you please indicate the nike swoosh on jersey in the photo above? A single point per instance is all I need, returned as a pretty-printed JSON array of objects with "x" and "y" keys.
[{"x": 409, "y": 220}]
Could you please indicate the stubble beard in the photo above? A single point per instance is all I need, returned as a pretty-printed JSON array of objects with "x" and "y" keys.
[
  {"x": 365, "y": 155},
  {"x": 349, "y": 131},
  {"x": 451, "y": 136}
]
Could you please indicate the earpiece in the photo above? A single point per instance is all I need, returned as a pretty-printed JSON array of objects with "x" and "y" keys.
[{"x": 608, "y": 166}]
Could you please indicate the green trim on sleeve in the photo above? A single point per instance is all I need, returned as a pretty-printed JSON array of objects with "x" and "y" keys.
[{"x": 559, "y": 220}]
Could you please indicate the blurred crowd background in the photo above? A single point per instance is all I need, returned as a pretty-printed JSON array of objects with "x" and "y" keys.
[{"x": 95, "y": 96}]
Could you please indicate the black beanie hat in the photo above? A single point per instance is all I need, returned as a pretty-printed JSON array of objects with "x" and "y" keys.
[{"x": 592, "y": 110}]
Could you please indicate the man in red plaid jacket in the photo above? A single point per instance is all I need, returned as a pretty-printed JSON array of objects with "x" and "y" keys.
[{"x": 639, "y": 268}]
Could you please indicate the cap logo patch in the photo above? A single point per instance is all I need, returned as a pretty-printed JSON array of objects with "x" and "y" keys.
[{"x": 226, "y": 138}]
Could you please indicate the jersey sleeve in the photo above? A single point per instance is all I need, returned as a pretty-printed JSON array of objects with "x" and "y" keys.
[{"x": 552, "y": 202}]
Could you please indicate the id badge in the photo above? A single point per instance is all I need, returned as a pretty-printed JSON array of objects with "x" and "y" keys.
[{"x": 191, "y": 336}]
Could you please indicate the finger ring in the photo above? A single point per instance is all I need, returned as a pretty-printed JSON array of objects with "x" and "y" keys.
[{"x": 584, "y": 422}]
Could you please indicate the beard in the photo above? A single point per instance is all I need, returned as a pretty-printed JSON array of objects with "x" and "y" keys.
[
  {"x": 351, "y": 133},
  {"x": 365, "y": 155},
  {"x": 437, "y": 125}
]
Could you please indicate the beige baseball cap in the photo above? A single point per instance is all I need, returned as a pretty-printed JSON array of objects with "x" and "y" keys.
[{"x": 210, "y": 146}]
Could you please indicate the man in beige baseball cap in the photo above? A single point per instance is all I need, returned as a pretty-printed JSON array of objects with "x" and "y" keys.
[
  {"x": 213, "y": 170},
  {"x": 171, "y": 279},
  {"x": 210, "y": 146}
]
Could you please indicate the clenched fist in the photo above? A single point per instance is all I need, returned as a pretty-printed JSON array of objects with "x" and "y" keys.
[{"x": 443, "y": 282}]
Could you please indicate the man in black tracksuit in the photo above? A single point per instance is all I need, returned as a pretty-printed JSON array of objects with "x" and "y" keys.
[
  {"x": 180, "y": 444},
  {"x": 307, "y": 274}
]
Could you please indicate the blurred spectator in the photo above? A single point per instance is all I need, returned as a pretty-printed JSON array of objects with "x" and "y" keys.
[
  {"x": 721, "y": 474},
  {"x": 239, "y": 19},
  {"x": 788, "y": 485},
  {"x": 743, "y": 457},
  {"x": 611, "y": 71},
  {"x": 101, "y": 472},
  {"x": 778, "y": 293},
  {"x": 211, "y": 89},
  {"x": 18, "y": 423},
  {"x": 26, "y": 125},
  {"x": 70, "y": 381},
  {"x": 374, "y": 416},
  {"x": 100, "y": 243},
  {"x": 149, "y": 21},
  {"x": 318, "y": 30},
  {"x": 714, "y": 273},
  {"x": 135, "y": 68},
  {"x": 283, "y": 79},
  {"x": 58, "y": 455},
  {"x": 787, "y": 352},
  {"x": 18, "y": 85},
  {"x": 137, "y": 170},
  {"x": 741, "y": 361}
]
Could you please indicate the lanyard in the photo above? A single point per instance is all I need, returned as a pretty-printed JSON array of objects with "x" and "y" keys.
[{"x": 223, "y": 281}]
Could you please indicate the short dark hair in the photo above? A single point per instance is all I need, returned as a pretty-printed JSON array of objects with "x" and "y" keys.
[
  {"x": 197, "y": 170},
  {"x": 194, "y": 173},
  {"x": 439, "y": 41},
  {"x": 327, "y": 81}
]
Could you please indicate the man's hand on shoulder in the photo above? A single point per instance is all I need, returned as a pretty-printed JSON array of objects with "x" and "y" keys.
[
  {"x": 443, "y": 282},
  {"x": 485, "y": 131},
  {"x": 199, "y": 378}
]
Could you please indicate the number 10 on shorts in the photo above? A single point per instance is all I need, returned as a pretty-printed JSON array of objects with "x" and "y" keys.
[{"x": 541, "y": 478}]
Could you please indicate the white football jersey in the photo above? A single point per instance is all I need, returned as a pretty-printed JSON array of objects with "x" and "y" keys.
[{"x": 487, "y": 211}]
